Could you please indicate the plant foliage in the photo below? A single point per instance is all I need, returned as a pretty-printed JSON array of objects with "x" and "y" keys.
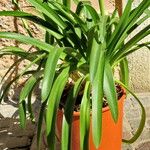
[{"x": 82, "y": 45}]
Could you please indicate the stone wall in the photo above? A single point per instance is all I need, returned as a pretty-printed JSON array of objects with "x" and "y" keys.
[
  {"x": 139, "y": 62},
  {"x": 15, "y": 25}
]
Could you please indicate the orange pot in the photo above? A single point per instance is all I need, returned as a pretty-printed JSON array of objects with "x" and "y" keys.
[{"x": 111, "y": 132}]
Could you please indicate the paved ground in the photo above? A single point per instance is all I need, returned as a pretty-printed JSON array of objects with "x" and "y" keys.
[{"x": 132, "y": 115}]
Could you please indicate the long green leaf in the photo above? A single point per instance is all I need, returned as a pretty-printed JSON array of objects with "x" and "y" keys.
[
  {"x": 49, "y": 72},
  {"x": 45, "y": 24},
  {"x": 5, "y": 89},
  {"x": 40, "y": 57},
  {"x": 12, "y": 50},
  {"x": 40, "y": 123},
  {"x": 127, "y": 32},
  {"x": 27, "y": 88},
  {"x": 77, "y": 19},
  {"x": 137, "y": 12},
  {"x": 97, "y": 63},
  {"x": 137, "y": 47},
  {"x": 92, "y": 12},
  {"x": 10, "y": 68},
  {"x": 138, "y": 23},
  {"x": 68, "y": 115},
  {"x": 110, "y": 91},
  {"x": 143, "y": 33},
  {"x": 120, "y": 27},
  {"x": 102, "y": 7},
  {"x": 23, "y": 95},
  {"x": 53, "y": 103},
  {"x": 85, "y": 118},
  {"x": 63, "y": 12},
  {"x": 22, "y": 114},
  {"x": 143, "y": 117},
  {"x": 49, "y": 12},
  {"x": 139, "y": 36},
  {"x": 131, "y": 24},
  {"x": 26, "y": 39},
  {"x": 124, "y": 72}
]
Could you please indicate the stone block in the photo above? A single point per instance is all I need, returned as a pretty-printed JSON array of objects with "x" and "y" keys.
[
  {"x": 143, "y": 146},
  {"x": 127, "y": 147},
  {"x": 17, "y": 131},
  {"x": 16, "y": 142}
]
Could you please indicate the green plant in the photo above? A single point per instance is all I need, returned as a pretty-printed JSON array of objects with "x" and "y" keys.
[{"x": 89, "y": 45}]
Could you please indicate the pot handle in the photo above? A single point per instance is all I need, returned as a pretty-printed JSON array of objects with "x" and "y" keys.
[{"x": 143, "y": 117}]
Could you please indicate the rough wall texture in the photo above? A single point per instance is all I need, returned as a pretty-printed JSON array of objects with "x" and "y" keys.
[
  {"x": 15, "y": 25},
  {"x": 139, "y": 62}
]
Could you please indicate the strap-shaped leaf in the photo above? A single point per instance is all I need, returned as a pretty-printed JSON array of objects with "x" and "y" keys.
[
  {"x": 124, "y": 72},
  {"x": 63, "y": 12},
  {"x": 11, "y": 68},
  {"x": 26, "y": 39},
  {"x": 5, "y": 89},
  {"x": 126, "y": 34},
  {"x": 40, "y": 123},
  {"x": 12, "y": 50},
  {"x": 77, "y": 19},
  {"x": 143, "y": 33},
  {"x": 94, "y": 57},
  {"x": 49, "y": 72},
  {"x": 120, "y": 27},
  {"x": 49, "y": 12},
  {"x": 25, "y": 24},
  {"x": 27, "y": 88},
  {"x": 40, "y": 57},
  {"x": 97, "y": 63},
  {"x": 45, "y": 24},
  {"x": 85, "y": 118},
  {"x": 53, "y": 103},
  {"x": 92, "y": 11},
  {"x": 143, "y": 116},
  {"x": 131, "y": 24},
  {"x": 110, "y": 91},
  {"x": 137, "y": 12},
  {"x": 68, "y": 115},
  {"x": 138, "y": 37},
  {"x": 140, "y": 21},
  {"x": 22, "y": 114},
  {"x": 101, "y": 6},
  {"x": 23, "y": 95},
  {"x": 137, "y": 47}
]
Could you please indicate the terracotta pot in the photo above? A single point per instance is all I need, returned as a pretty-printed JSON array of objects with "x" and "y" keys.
[{"x": 111, "y": 132}]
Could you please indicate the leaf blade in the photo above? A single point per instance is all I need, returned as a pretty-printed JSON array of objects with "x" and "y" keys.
[
  {"x": 49, "y": 72},
  {"x": 68, "y": 113},
  {"x": 26, "y": 39},
  {"x": 53, "y": 103},
  {"x": 110, "y": 91},
  {"x": 85, "y": 118}
]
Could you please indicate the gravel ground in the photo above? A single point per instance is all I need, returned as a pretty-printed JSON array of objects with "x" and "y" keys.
[{"x": 132, "y": 115}]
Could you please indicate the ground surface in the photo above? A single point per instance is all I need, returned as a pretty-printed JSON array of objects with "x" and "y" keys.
[{"x": 132, "y": 115}]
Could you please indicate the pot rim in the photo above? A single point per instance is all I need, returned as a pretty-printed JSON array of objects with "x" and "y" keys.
[{"x": 105, "y": 109}]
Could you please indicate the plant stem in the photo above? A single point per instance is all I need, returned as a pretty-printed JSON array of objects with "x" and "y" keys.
[{"x": 102, "y": 7}]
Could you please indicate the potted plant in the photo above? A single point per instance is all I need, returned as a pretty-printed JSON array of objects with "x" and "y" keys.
[{"x": 75, "y": 66}]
